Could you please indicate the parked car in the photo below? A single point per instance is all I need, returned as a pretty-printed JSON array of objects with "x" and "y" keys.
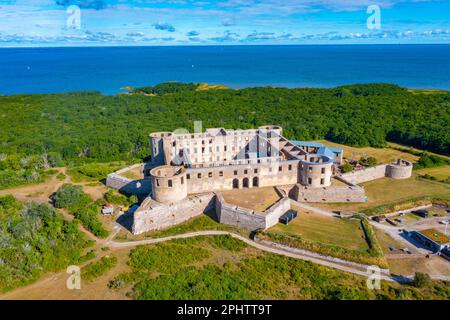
[{"x": 444, "y": 222}]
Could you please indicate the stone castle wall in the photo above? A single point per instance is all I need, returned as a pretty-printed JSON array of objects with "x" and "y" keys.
[
  {"x": 400, "y": 169},
  {"x": 329, "y": 194},
  {"x": 128, "y": 186},
  {"x": 153, "y": 215},
  {"x": 366, "y": 174},
  {"x": 250, "y": 219},
  {"x": 237, "y": 216}
]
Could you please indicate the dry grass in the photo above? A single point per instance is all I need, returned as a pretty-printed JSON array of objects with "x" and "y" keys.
[
  {"x": 258, "y": 199},
  {"x": 324, "y": 229},
  {"x": 386, "y": 241},
  {"x": 408, "y": 266},
  {"x": 441, "y": 173},
  {"x": 134, "y": 174},
  {"x": 386, "y": 190},
  {"x": 383, "y": 155}
]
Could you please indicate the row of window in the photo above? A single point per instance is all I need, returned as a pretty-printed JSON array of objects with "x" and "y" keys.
[
  {"x": 169, "y": 182},
  {"x": 322, "y": 181}
]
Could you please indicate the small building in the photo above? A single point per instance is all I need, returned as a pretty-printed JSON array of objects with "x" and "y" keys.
[
  {"x": 107, "y": 209},
  {"x": 288, "y": 216},
  {"x": 432, "y": 239}
]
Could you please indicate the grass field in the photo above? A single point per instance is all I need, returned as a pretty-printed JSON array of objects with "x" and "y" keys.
[
  {"x": 441, "y": 173},
  {"x": 386, "y": 190},
  {"x": 133, "y": 174},
  {"x": 383, "y": 155},
  {"x": 327, "y": 230},
  {"x": 258, "y": 199}
]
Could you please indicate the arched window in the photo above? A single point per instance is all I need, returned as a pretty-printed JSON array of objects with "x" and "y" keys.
[
  {"x": 235, "y": 183},
  {"x": 256, "y": 182}
]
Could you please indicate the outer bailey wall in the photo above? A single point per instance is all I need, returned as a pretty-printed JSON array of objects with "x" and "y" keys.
[
  {"x": 249, "y": 219},
  {"x": 239, "y": 217},
  {"x": 365, "y": 175},
  {"x": 153, "y": 215},
  {"x": 330, "y": 194},
  {"x": 137, "y": 187},
  {"x": 274, "y": 213}
]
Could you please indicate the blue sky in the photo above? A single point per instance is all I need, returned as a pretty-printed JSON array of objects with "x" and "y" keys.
[{"x": 220, "y": 22}]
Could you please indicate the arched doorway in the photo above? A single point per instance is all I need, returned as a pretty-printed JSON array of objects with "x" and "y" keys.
[
  {"x": 256, "y": 182},
  {"x": 235, "y": 183},
  {"x": 245, "y": 183}
]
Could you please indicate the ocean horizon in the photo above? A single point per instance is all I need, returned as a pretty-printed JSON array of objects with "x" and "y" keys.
[{"x": 108, "y": 69}]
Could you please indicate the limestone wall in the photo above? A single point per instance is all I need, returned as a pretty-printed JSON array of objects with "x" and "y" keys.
[
  {"x": 128, "y": 186},
  {"x": 153, "y": 215},
  {"x": 366, "y": 174},
  {"x": 248, "y": 219},
  {"x": 274, "y": 213},
  {"x": 237, "y": 216},
  {"x": 400, "y": 169},
  {"x": 329, "y": 194}
]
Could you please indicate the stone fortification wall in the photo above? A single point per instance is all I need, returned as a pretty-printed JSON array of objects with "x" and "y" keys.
[
  {"x": 237, "y": 216},
  {"x": 138, "y": 187},
  {"x": 274, "y": 213},
  {"x": 153, "y": 215},
  {"x": 250, "y": 219},
  {"x": 329, "y": 194},
  {"x": 366, "y": 174},
  {"x": 399, "y": 169}
]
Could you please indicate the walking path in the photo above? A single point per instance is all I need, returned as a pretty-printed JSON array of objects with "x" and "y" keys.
[{"x": 322, "y": 261}]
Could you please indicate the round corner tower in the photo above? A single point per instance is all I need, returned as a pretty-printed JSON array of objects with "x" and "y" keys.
[
  {"x": 316, "y": 171},
  {"x": 168, "y": 184},
  {"x": 399, "y": 169}
]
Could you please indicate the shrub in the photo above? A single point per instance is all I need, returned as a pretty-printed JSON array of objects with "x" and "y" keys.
[
  {"x": 422, "y": 280},
  {"x": 347, "y": 167},
  {"x": 34, "y": 239},
  {"x": 81, "y": 206},
  {"x": 370, "y": 161},
  {"x": 70, "y": 196},
  {"x": 113, "y": 196},
  {"x": 99, "y": 268},
  {"x": 429, "y": 161}
]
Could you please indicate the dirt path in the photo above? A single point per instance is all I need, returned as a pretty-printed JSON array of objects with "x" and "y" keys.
[
  {"x": 324, "y": 261},
  {"x": 38, "y": 192}
]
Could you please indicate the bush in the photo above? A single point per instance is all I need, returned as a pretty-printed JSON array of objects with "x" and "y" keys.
[
  {"x": 99, "y": 268},
  {"x": 429, "y": 161},
  {"x": 70, "y": 196},
  {"x": 113, "y": 196},
  {"x": 34, "y": 239},
  {"x": 347, "y": 167},
  {"x": 81, "y": 206},
  {"x": 422, "y": 280},
  {"x": 369, "y": 162}
]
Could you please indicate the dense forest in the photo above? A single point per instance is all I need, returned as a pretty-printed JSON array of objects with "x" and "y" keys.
[
  {"x": 34, "y": 239},
  {"x": 74, "y": 128}
]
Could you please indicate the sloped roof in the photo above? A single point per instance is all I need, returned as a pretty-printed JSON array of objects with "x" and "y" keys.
[{"x": 307, "y": 143}]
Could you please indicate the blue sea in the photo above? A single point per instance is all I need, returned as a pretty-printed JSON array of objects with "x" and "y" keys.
[{"x": 107, "y": 69}]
